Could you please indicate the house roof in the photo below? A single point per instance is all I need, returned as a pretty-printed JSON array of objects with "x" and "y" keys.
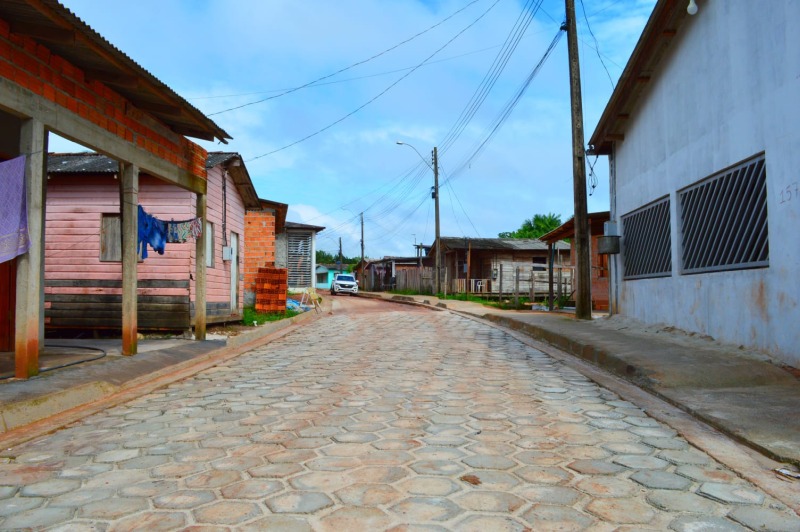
[
  {"x": 233, "y": 163},
  {"x": 295, "y": 225},
  {"x": 97, "y": 163},
  {"x": 661, "y": 30},
  {"x": 81, "y": 163},
  {"x": 497, "y": 244},
  {"x": 402, "y": 260},
  {"x": 280, "y": 212},
  {"x": 61, "y": 31},
  {"x": 567, "y": 229}
]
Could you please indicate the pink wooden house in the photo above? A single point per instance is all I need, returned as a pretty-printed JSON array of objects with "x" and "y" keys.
[{"x": 83, "y": 269}]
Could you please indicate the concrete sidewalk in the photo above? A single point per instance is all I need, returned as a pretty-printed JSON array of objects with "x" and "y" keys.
[
  {"x": 55, "y": 398},
  {"x": 742, "y": 394}
]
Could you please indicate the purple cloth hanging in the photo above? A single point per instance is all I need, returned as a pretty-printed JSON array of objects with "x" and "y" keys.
[{"x": 13, "y": 209}]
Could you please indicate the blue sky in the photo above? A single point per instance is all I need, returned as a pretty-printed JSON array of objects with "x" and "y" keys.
[{"x": 221, "y": 54}]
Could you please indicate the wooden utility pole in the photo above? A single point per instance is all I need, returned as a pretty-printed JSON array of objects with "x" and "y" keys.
[
  {"x": 583, "y": 290},
  {"x": 362, "y": 246},
  {"x": 438, "y": 275}
]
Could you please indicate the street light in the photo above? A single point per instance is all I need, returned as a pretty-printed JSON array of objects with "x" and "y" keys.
[{"x": 435, "y": 168}]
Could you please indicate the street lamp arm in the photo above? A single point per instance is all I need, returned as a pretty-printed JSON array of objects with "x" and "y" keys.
[{"x": 401, "y": 143}]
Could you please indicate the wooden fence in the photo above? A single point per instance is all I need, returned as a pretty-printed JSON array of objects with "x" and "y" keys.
[{"x": 509, "y": 282}]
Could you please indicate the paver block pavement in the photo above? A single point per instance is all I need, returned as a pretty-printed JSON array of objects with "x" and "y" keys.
[{"x": 399, "y": 420}]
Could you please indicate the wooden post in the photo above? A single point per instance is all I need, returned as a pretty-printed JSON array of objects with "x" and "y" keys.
[
  {"x": 200, "y": 271},
  {"x": 583, "y": 295},
  {"x": 469, "y": 266},
  {"x": 500, "y": 284},
  {"x": 516, "y": 287},
  {"x": 551, "y": 260},
  {"x": 129, "y": 211},
  {"x": 29, "y": 308},
  {"x": 436, "y": 213}
]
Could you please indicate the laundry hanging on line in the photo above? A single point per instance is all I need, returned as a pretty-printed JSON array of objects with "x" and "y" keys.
[
  {"x": 157, "y": 233},
  {"x": 178, "y": 232},
  {"x": 14, "y": 239}
]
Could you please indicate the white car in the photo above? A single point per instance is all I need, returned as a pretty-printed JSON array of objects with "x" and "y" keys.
[{"x": 344, "y": 283}]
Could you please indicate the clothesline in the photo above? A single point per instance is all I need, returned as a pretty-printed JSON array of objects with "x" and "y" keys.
[{"x": 157, "y": 233}]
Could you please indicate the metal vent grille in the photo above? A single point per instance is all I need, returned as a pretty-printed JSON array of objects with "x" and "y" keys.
[
  {"x": 724, "y": 220},
  {"x": 647, "y": 243},
  {"x": 299, "y": 263}
]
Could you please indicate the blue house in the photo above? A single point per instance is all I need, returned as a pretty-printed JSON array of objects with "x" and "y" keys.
[{"x": 325, "y": 273}]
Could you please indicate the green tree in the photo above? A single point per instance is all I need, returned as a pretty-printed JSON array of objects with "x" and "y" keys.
[
  {"x": 534, "y": 227},
  {"x": 324, "y": 257}
]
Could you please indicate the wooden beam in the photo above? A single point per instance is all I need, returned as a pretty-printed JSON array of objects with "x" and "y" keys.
[
  {"x": 127, "y": 81},
  {"x": 615, "y": 136},
  {"x": 200, "y": 271},
  {"x": 40, "y": 32},
  {"x": 161, "y": 108}
]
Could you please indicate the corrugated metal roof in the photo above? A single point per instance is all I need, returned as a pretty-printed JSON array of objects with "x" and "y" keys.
[
  {"x": 296, "y": 225},
  {"x": 96, "y": 163},
  {"x": 61, "y": 31},
  {"x": 499, "y": 244},
  {"x": 81, "y": 163},
  {"x": 219, "y": 157}
]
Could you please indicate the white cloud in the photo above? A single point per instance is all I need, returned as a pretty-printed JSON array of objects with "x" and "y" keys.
[{"x": 249, "y": 49}]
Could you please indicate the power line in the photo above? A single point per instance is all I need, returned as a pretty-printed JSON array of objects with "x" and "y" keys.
[
  {"x": 507, "y": 109},
  {"x": 348, "y": 115},
  {"x": 490, "y": 78},
  {"x": 288, "y": 91},
  {"x": 596, "y": 44}
]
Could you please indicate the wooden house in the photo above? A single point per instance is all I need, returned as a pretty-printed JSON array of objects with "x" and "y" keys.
[
  {"x": 83, "y": 271},
  {"x": 488, "y": 265},
  {"x": 599, "y": 262},
  {"x": 84, "y": 88}
]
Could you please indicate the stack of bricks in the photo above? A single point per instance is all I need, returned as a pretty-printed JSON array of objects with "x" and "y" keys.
[
  {"x": 259, "y": 233},
  {"x": 271, "y": 285}
]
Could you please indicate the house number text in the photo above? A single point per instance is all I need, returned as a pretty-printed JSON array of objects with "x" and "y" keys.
[{"x": 790, "y": 192}]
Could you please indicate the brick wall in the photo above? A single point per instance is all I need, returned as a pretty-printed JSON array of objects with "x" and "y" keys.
[
  {"x": 259, "y": 250},
  {"x": 33, "y": 67}
]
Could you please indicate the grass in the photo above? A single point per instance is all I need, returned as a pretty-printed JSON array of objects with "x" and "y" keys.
[{"x": 250, "y": 315}]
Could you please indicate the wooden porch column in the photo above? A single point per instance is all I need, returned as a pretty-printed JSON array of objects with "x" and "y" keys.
[
  {"x": 29, "y": 310},
  {"x": 551, "y": 260},
  {"x": 129, "y": 210},
  {"x": 200, "y": 272}
]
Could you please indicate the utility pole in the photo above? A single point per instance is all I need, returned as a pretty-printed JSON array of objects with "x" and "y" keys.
[
  {"x": 583, "y": 292},
  {"x": 361, "y": 276},
  {"x": 438, "y": 275},
  {"x": 339, "y": 266}
]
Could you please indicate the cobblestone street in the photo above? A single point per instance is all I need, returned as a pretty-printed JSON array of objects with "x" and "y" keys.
[{"x": 379, "y": 417}]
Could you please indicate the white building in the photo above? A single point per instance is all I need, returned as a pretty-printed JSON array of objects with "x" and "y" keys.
[{"x": 703, "y": 139}]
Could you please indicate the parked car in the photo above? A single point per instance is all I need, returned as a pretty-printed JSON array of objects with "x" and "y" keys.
[{"x": 344, "y": 283}]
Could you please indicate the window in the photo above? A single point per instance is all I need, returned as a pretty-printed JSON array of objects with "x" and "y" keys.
[
  {"x": 209, "y": 245},
  {"x": 724, "y": 220},
  {"x": 299, "y": 260},
  {"x": 110, "y": 238},
  {"x": 646, "y": 241},
  {"x": 322, "y": 278}
]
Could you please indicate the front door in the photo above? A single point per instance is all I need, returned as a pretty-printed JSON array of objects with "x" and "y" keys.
[
  {"x": 8, "y": 293},
  {"x": 234, "y": 272}
]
